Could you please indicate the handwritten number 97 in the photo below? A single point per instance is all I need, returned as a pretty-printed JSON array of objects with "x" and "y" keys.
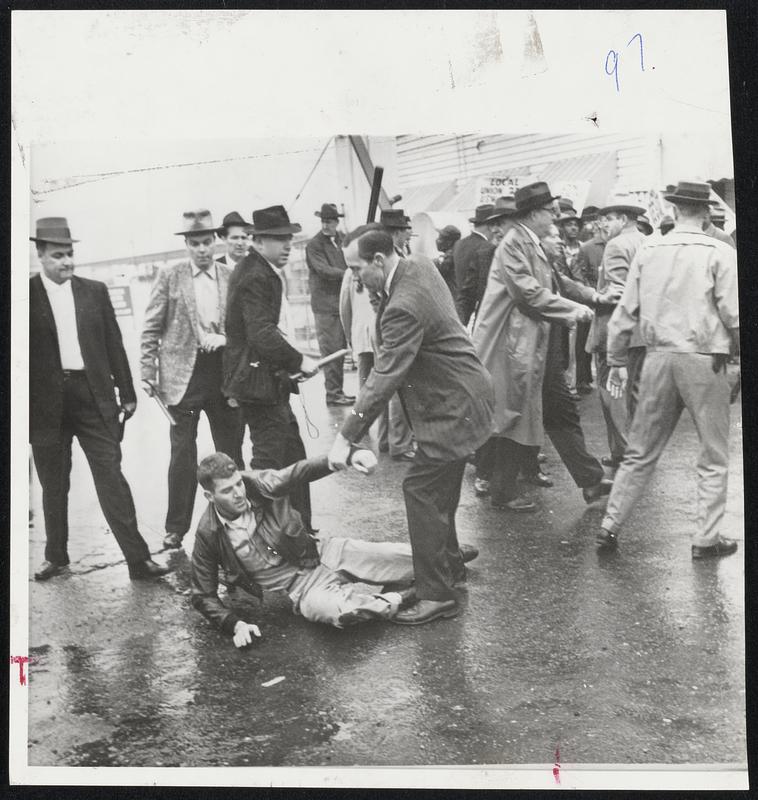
[{"x": 612, "y": 60}]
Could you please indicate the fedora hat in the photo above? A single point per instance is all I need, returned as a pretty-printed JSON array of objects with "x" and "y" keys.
[
  {"x": 231, "y": 220},
  {"x": 195, "y": 222},
  {"x": 273, "y": 221},
  {"x": 329, "y": 211},
  {"x": 566, "y": 206},
  {"x": 482, "y": 213},
  {"x": 449, "y": 233},
  {"x": 622, "y": 204},
  {"x": 717, "y": 214},
  {"x": 395, "y": 218},
  {"x": 691, "y": 192},
  {"x": 666, "y": 222},
  {"x": 643, "y": 223},
  {"x": 569, "y": 215},
  {"x": 504, "y": 207},
  {"x": 589, "y": 213},
  {"x": 54, "y": 230},
  {"x": 533, "y": 195}
]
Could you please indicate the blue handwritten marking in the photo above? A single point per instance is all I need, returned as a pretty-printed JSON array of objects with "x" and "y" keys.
[
  {"x": 615, "y": 68},
  {"x": 614, "y": 56}
]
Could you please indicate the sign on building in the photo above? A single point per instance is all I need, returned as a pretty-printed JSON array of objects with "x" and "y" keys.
[
  {"x": 500, "y": 184},
  {"x": 121, "y": 298}
]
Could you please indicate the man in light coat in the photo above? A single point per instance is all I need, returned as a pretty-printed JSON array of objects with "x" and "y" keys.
[
  {"x": 182, "y": 344},
  {"x": 521, "y": 349}
]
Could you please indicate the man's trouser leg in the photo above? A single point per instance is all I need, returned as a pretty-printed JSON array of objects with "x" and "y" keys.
[
  {"x": 706, "y": 396},
  {"x": 227, "y": 427},
  {"x": 331, "y": 338},
  {"x": 103, "y": 453},
  {"x": 614, "y": 409},
  {"x": 569, "y": 374},
  {"x": 399, "y": 433},
  {"x": 53, "y": 463},
  {"x": 182, "y": 468},
  {"x": 432, "y": 490},
  {"x": 277, "y": 444},
  {"x": 659, "y": 409},
  {"x": 583, "y": 359},
  {"x": 634, "y": 364},
  {"x": 370, "y": 562},
  {"x": 485, "y": 459},
  {"x": 562, "y": 425},
  {"x": 508, "y": 459},
  {"x": 365, "y": 365}
]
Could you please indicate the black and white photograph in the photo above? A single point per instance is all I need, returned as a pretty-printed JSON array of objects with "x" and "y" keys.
[{"x": 377, "y": 411}]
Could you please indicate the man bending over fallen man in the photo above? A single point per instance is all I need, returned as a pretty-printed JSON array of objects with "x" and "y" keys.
[{"x": 252, "y": 532}]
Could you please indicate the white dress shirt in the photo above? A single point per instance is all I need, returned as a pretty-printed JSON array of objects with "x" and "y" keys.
[
  {"x": 205, "y": 283},
  {"x": 61, "y": 300},
  {"x": 285, "y": 315}
]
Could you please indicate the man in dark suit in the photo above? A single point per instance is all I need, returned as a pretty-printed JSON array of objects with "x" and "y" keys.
[
  {"x": 326, "y": 268},
  {"x": 465, "y": 261},
  {"x": 259, "y": 358},
  {"x": 233, "y": 233},
  {"x": 427, "y": 357},
  {"x": 76, "y": 364}
]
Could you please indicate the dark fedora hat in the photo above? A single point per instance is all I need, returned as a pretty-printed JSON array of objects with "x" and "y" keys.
[
  {"x": 589, "y": 213},
  {"x": 273, "y": 221},
  {"x": 482, "y": 213},
  {"x": 504, "y": 207},
  {"x": 622, "y": 204},
  {"x": 643, "y": 224},
  {"x": 533, "y": 195},
  {"x": 566, "y": 206},
  {"x": 691, "y": 192},
  {"x": 395, "y": 218},
  {"x": 231, "y": 220},
  {"x": 568, "y": 216},
  {"x": 667, "y": 222},
  {"x": 196, "y": 222},
  {"x": 54, "y": 230},
  {"x": 329, "y": 211},
  {"x": 449, "y": 233}
]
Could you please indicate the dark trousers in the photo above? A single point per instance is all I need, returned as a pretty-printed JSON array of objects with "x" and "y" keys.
[
  {"x": 432, "y": 490},
  {"x": 276, "y": 444},
  {"x": 527, "y": 464},
  {"x": 331, "y": 338},
  {"x": 203, "y": 394},
  {"x": 583, "y": 360},
  {"x": 82, "y": 418}
]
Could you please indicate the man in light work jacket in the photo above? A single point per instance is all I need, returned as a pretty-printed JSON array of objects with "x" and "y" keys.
[
  {"x": 682, "y": 292},
  {"x": 426, "y": 356},
  {"x": 182, "y": 345},
  {"x": 326, "y": 268}
]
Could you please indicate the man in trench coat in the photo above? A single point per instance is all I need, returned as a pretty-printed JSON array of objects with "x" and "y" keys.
[{"x": 516, "y": 342}]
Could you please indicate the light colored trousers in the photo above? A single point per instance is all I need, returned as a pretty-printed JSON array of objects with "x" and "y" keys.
[
  {"x": 670, "y": 383},
  {"x": 328, "y": 591}
]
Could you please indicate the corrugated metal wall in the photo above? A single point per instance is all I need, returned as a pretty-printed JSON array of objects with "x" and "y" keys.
[{"x": 430, "y": 159}]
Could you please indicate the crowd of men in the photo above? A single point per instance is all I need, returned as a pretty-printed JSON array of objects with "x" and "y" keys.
[{"x": 471, "y": 357}]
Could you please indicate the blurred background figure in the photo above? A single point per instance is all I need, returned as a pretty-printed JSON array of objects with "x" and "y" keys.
[
  {"x": 398, "y": 225},
  {"x": 233, "y": 233},
  {"x": 447, "y": 238},
  {"x": 589, "y": 224},
  {"x": 667, "y": 224},
  {"x": 464, "y": 259},
  {"x": 717, "y": 231}
]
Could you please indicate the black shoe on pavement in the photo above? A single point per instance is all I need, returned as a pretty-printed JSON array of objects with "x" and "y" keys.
[
  {"x": 426, "y": 611},
  {"x": 520, "y": 504},
  {"x": 47, "y": 570},
  {"x": 593, "y": 493},
  {"x": 723, "y": 547},
  {"x": 172, "y": 541},
  {"x": 144, "y": 570},
  {"x": 605, "y": 540},
  {"x": 468, "y": 552}
]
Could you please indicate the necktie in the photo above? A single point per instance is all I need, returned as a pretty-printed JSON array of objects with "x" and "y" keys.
[{"x": 383, "y": 298}]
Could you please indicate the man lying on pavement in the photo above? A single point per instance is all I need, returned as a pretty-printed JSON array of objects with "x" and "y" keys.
[{"x": 252, "y": 532}]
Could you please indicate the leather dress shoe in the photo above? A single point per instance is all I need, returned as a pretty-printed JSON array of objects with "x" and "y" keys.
[
  {"x": 723, "y": 547},
  {"x": 468, "y": 552},
  {"x": 426, "y": 611},
  {"x": 408, "y": 455},
  {"x": 342, "y": 400},
  {"x": 538, "y": 479},
  {"x": 605, "y": 540},
  {"x": 47, "y": 570},
  {"x": 172, "y": 541},
  {"x": 592, "y": 493},
  {"x": 607, "y": 461},
  {"x": 144, "y": 570},
  {"x": 520, "y": 504}
]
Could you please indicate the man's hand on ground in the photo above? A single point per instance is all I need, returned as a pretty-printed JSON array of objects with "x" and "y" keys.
[
  {"x": 617, "y": 379},
  {"x": 340, "y": 453},
  {"x": 364, "y": 461},
  {"x": 148, "y": 388},
  {"x": 244, "y": 632},
  {"x": 308, "y": 366}
]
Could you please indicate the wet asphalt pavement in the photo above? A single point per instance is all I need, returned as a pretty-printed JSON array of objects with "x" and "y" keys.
[{"x": 635, "y": 657}]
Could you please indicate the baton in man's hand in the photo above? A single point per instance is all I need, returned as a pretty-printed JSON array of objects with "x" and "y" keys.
[
  {"x": 298, "y": 376},
  {"x": 166, "y": 413}
]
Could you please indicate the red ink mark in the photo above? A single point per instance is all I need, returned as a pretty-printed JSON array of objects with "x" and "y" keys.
[
  {"x": 21, "y": 660},
  {"x": 557, "y": 765}
]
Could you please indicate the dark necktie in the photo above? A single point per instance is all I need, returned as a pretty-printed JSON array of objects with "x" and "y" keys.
[{"x": 383, "y": 298}]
